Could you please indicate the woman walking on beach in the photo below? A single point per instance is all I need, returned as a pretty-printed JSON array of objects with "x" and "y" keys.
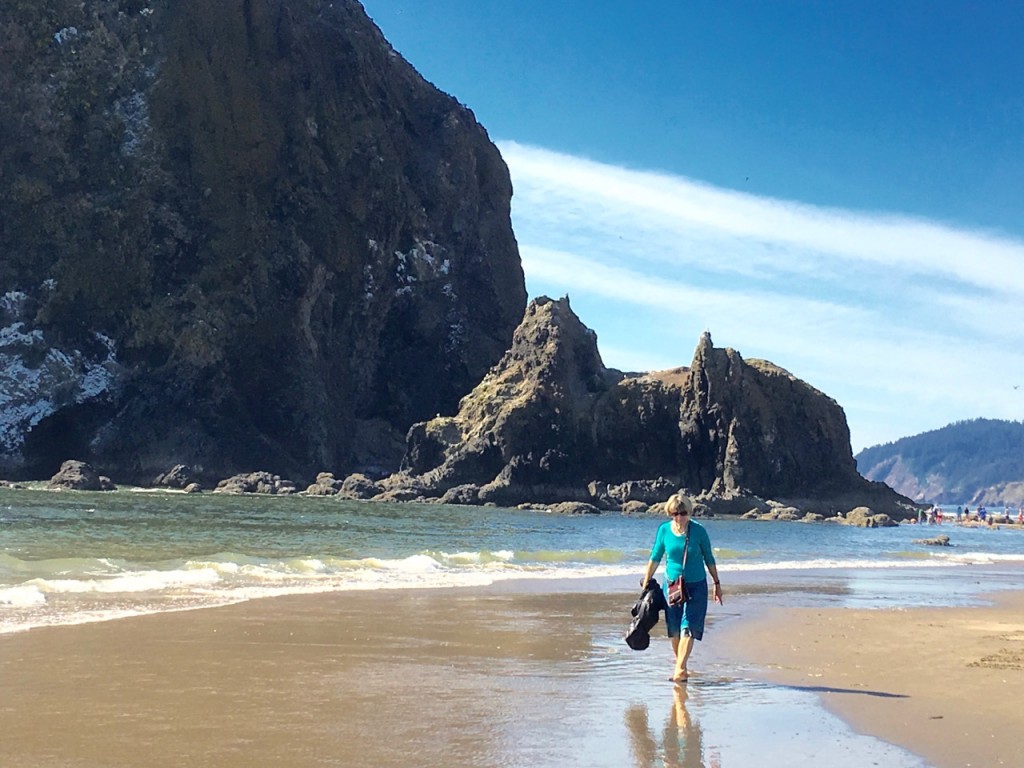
[{"x": 687, "y": 547}]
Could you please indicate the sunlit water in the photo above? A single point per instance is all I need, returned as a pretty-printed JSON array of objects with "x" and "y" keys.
[{"x": 74, "y": 557}]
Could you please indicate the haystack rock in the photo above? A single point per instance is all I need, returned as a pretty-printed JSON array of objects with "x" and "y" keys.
[
  {"x": 237, "y": 234},
  {"x": 551, "y": 423}
]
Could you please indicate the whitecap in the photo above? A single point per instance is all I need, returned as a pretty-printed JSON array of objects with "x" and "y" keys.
[{"x": 22, "y": 596}]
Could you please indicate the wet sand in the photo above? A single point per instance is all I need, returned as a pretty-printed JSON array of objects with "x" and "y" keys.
[
  {"x": 945, "y": 683},
  {"x": 494, "y": 677},
  {"x": 450, "y": 678}
]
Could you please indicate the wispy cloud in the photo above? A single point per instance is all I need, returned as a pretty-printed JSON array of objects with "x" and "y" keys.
[{"x": 909, "y": 324}]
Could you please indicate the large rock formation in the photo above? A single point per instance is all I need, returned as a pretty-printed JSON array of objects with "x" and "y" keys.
[
  {"x": 549, "y": 417},
  {"x": 236, "y": 234},
  {"x": 550, "y": 423},
  {"x": 751, "y": 427}
]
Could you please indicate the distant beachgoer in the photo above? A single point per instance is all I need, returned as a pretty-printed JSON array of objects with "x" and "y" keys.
[
  {"x": 682, "y": 540},
  {"x": 920, "y": 516},
  {"x": 1020, "y": 515}
]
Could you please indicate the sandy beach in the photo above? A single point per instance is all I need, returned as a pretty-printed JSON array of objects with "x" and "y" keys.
[
  {"x": 444, "y": 678},
  {"x": 943, "y": 682},
  {"x": 513, "y": 678}
]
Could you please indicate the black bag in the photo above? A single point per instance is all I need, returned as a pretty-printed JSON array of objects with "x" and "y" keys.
[{"x": 677, "y": 592}]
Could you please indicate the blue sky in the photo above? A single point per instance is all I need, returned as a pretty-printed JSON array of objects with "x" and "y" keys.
[{"x": 837, "y": 187}]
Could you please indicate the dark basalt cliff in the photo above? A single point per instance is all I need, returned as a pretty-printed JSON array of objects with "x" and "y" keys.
[
  {"x": 236, "y": 234},
  {"x": 550, "y": 423},
  {"x": 750, "y": 426},
  {"x": 546, "y": 417}
]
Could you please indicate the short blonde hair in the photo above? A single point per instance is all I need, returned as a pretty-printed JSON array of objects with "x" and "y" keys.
[{"x": 677, "y": 501}]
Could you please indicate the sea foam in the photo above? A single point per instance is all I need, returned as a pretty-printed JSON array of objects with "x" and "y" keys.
[{"x": 22, "y": 596}]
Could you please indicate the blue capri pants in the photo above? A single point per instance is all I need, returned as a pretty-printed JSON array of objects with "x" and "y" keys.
[{"x": 689, "y": 617}]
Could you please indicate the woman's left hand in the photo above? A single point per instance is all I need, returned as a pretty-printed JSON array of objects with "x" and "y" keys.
[{"x": 718, "y": 593}]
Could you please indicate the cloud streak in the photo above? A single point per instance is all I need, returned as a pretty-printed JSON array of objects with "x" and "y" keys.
[{"x": 910, "y": 324}]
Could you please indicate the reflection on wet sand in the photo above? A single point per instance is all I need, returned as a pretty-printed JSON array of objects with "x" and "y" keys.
[{"x": 682, "y": 741}]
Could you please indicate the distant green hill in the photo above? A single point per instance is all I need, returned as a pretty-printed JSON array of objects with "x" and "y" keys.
[{"x": 969, "y": 462}]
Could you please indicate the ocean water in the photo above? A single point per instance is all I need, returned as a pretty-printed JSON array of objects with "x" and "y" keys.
[{"x": 68, "y": 558}]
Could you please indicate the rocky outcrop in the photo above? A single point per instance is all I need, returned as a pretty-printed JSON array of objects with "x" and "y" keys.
[
  {"x": 79, "y": 476},
  {"x": 574, "y": 508},
  {"x": 355, "y": 486},
  {"x": 634, "y": 508},
  {"x": 236, "y": 234},
  {"x": 326, "y": 485},
  {"x": 935, "y": 541},
  {"x": 865, "y": 517},
  {"x": 551, "y": 423},
  {"x": 178, "y": 476},
  {"x": 462, "y": 494},
  {"x": 256, "y": 482},
  {"x": 359, "y": 486}
]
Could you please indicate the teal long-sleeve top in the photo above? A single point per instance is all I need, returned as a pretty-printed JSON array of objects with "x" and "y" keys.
[{"x": 666, "y": 542}]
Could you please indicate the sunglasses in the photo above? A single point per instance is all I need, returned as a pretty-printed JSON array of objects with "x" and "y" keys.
[{"x": 684, "y": 513}]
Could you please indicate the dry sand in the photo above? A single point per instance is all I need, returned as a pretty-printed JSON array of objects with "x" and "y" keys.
[{"x": 945, "y": 683}]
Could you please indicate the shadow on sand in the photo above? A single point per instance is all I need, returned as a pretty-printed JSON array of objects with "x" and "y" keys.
[{"x": 830, "y": 689}]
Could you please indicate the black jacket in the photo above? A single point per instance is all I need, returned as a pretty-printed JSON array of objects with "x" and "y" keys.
[{"x": 645, "y": 615}]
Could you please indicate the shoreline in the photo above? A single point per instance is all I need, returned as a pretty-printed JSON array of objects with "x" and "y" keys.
[
  {"x": 936, "y": 584},
  {"x": 644, "y": 504}
]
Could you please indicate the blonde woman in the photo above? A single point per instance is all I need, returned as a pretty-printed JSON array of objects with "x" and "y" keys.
[{"x": 683, "y": 540}]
